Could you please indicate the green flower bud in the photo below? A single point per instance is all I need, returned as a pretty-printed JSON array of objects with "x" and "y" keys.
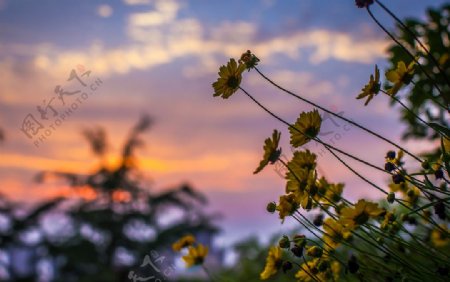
[
  {"x": 391, "y": 197},
  {"x": 271, "y": 207},
  {"x": 284, "y": 242},
  {"x": 314, "y": 252},
  {"x": 300, "y": 241}
]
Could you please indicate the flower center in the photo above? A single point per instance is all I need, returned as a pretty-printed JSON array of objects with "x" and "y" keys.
[
  {"x": 311, "y": 132},
  {"x": 361, "y": 218},
  {"x": 233, "y": 82}
]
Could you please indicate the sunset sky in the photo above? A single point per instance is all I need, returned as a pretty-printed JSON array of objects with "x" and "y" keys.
[{"x": 159, "y": 57}]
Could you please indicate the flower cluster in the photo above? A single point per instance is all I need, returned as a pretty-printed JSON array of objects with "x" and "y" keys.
[
  {"x": 354, "y": 237},
  {"x": 196, "y": 253}
]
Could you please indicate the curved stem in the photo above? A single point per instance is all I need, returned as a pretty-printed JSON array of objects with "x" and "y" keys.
[
  {"x": 411, "y": 112},
  {"x": 412, "y": 57},
  {"x": 407, "y": 29},
  {"x": 336, "y": 115}
]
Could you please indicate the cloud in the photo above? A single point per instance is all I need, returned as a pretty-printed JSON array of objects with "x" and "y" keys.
[
  {"x": 136, "y": 2},
  {"x": 161, "y": 36},
  {"x": 298, "y": 82},
  {"x": 163, "y": 12},
  {"x": 104, "y": 11}
]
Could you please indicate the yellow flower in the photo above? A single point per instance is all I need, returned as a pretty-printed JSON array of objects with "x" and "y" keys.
[
  {"x": 230, "y": 77},
  {"x": 372, "y": 88},
  {"x": 307, "y": 270},
  {"x": 446, "y": 142},
  {"x": 320, "y": 270},
  {"x": 305, "y": 128},
  {"x": 287, "y": 205},
  {"x": 396, "y": 159},
  {"x": 389, "y": 218},
  {"x": 273, "y": 263},
  {"x": 184, "y": 242},
  {"x": 196, "y": 255},
  {"x": 271, "y": 151},
  {"x": 301, "y": 176},
  {"x": 333, "y": 193},
  {"x": 352, "y": 217},
  {"x": 412, "y": 195},
  {"x": 402, "y": 187},
  {"x": 334, "y": 234},
  {"x": 400, "y": 76},
  {"x": 336, "y": 270},
  {"x": 302, "y": 183},
  {"x": 439, "y": 238},
  {"x": 303, "y": 160}
]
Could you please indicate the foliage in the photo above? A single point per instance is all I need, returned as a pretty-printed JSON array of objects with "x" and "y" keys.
[
  {"x": 425, "y": 94},
  {"x": 112, "y": 230},
  {"x": 405, "y": 237}
]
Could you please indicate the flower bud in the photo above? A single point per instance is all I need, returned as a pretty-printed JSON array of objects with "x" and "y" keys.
[
  {"x": 389, "y": 166},
  {"x": 390, "y": 155},
  {"x": 425, "y": 165},
  {"x": 287, "y": 265},
  {"x": 398, "y": 178},
  {"x": 391, "y": 197},
  {"x": 271, "y": 207},
  {"x": 314, "y": 252},
  {"x": 300, "y": 241},
  {"x": 353, "y": 265},
  {"x": 297, "y": 251},
  {"x": 284, "y": 242},
  {"x": 323, "y": 265},
  {"x": 318, "y": 220},
  {"x": 439, "y": 174}
]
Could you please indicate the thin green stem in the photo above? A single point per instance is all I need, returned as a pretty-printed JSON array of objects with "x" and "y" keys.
[
  {"x": 407, "y": 29},
  {"x": 412, "y": 57},
  {"x": 337, "y": 116}
]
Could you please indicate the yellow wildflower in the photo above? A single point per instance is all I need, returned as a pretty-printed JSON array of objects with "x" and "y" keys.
[
  {"x": 271, "y": 151},
  {"x": 412, "y": 195},
  {"x": 334, "y": 234},
  {"x": 389, "y": 218},
  {"x": 273, "y": 263},
  {"x": 372, "y": 88},
  {"x": 359, "y": 214},
  {"x": 336, "y": 270},
  {"x": 184, "y": 242},
  {"x": 333, "y": 193},
  {"x": 439, "y": 238},
  {"x": 305, "y": 128},
  {"x": 308, "y": 271},
  {"x": 196, "y": 255},
  {"x": 303, "y": 185},
  {"x": 230, "y": 77},
  {"x": 400, "y": 76},
  {"x": 287, "y": 205}
]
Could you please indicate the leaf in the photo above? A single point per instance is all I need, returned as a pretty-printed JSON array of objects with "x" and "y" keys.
[{"x": 440, "y": 128}]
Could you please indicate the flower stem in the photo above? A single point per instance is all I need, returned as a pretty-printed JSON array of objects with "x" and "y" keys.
[
  {"x": 407, "y": 29},
  {"x": 412, "y": 57},
  {"x": 336, "y": 115}
]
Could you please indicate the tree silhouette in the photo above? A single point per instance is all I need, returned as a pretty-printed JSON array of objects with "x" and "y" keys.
[{"x": 113, "y": 229}]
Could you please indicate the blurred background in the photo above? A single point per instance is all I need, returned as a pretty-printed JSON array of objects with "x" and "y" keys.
[{"x": 112, "y": 144}]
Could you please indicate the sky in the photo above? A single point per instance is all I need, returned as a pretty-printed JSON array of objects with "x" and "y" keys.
[{"x": 128, "y": 58}]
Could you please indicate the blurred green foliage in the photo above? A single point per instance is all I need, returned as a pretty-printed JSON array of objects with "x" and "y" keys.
[
  {"x": 434, "y": 32},
  {"x": 112, "y": 232}
]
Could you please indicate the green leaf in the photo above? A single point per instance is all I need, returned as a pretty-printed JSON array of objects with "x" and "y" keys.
[{"x": 440, "y": 128}]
